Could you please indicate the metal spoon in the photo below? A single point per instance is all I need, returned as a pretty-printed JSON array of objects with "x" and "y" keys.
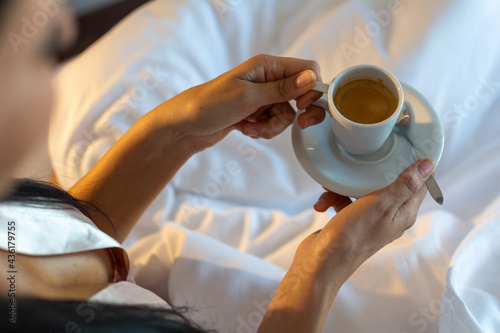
[{"x": 401, "y": 128}]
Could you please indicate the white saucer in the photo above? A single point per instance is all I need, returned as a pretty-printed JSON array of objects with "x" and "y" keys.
[{"x": 355, "y": 176}]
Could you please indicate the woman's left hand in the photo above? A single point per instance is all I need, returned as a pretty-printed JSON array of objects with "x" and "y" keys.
[{"x": 252, "y": 98}]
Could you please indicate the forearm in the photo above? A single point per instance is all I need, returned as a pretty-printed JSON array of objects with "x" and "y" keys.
[
  {"x": 134, "y": 171},
  {"x": 299, "y": 305},
  {"x": 253, "y": 98},
  {"x": 304, "y": 297}
]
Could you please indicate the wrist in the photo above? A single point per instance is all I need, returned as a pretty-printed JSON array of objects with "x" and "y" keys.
[
  {"x": 321, "y": 273},
  {"x": 301, "y": 302},
  {"x": 169, "y": 130},
  {"x": 329, "y": 270},
  {"x": 336, "y": 253},
  {"x": 194, "y": 125}
]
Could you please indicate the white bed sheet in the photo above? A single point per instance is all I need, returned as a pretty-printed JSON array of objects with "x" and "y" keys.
[{"x": 221, "y": 244}]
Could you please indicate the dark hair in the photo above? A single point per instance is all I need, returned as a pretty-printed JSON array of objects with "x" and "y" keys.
[
  {"x": 3, "y": 10},
  {"x": 37, "y": 315},
  {"x": 43, "y": 194},
  {"x": 2, "y": 14}
]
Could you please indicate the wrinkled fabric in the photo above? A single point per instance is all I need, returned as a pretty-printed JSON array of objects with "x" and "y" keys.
[{"x": 223, "y": 232}]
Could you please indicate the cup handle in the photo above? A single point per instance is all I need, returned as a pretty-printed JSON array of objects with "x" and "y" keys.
[{"x": 323, "y": 101}]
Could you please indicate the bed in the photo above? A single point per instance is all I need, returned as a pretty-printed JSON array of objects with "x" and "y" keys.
[{"x": 220, "y": 244}]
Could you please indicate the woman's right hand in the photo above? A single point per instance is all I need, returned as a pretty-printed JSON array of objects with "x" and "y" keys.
[
  {"x": 362, "y": 228},
  {"x": 327, "y": 258}
]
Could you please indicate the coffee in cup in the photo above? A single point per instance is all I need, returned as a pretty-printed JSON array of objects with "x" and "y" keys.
[{"x": 365, "y": 101}]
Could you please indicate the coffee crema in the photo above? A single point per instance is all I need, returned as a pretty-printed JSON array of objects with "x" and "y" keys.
[{"x": 365, "y": 101}]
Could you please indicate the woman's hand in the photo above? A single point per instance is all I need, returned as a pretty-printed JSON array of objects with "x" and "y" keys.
[
  {"x": 362, "y": 228},
  {"x": 331, "y": 199},
  {"x": 253, "y": 98},
  {"x": 327, "y": 258}
]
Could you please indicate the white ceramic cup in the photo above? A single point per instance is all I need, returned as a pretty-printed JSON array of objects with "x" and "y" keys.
[{"x": 356, "y": 138}]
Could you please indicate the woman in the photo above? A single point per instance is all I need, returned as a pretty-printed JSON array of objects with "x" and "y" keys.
[{"x": 252, "y": 98}]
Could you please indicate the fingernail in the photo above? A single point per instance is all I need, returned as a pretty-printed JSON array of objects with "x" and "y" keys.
[
  {"x": 251, "y": 132},
  {"x": 425, "y": 168},
  {"x": 310, "y": 122},
  {"x": 305, "y": 78}
]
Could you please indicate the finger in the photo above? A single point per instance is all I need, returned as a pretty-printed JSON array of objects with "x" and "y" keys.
[
  {"x": 305, "y": 100},
  {"x": 331, "y": 199},
  {"x": 262, "y": 115},
  {"x": 257, "y": 115},
  {"x": 409, "y": 210},
  {"x": 280, "y": 115},
  {"x": 274, "y": 110},
  {"x": 312, "y": 116},
  {"x": 409, "y": 183},
  {"x": 266, "y": 68},
  {"x": 282, "y": 90},
  {"x": 296, "y": 65}
]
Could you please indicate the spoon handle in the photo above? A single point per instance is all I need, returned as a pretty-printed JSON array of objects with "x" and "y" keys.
[
  {"x": 431, "y": 183},
  {"x": 434, "y": 190}
]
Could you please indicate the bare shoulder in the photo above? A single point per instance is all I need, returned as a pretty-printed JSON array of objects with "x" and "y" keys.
[{"x": 73, "y": 275}]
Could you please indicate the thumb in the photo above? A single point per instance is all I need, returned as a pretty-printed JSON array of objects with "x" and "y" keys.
[
  {"x": 285, "y": 89},
  {"x": 411, "y": 180}
]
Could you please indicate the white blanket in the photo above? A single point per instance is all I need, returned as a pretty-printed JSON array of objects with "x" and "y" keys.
[{"x": 220, "y": 242}]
